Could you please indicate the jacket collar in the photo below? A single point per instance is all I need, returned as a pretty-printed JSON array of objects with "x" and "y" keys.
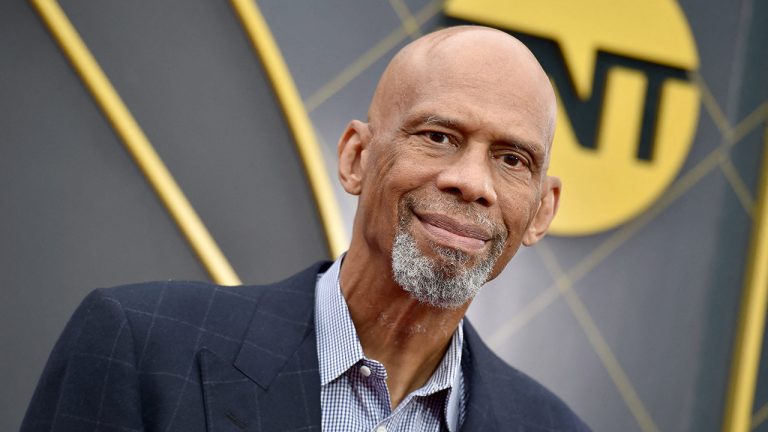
[
  {"x": 480, "y": 414},
  {"x": 287, "y": 309},
  {"x": 273, "y": 382}
]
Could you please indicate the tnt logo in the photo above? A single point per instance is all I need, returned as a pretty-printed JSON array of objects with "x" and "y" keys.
[{"x": 627, "y": 112}]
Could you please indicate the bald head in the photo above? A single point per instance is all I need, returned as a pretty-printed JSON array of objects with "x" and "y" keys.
[
  {"x": 451, "y": 166},
  {"x": 470, "y": 57}
]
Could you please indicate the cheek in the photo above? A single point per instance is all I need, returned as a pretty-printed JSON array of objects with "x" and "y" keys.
[
  {"x": 390, "y": 176},
  {"x": 518, "y": 214}
]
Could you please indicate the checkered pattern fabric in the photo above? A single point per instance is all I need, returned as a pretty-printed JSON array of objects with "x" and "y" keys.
[
  {"x": 354, "y": 394},
  {"x": 189, "y": 356},
  {"x": 185, "y": 356}
]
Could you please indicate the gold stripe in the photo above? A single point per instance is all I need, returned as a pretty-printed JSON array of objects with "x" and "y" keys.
[
  {"x": 407, "y": 19},
  {"x": 298, "y": 121},
  {"x": 739, "y": 187},
  {"x": 710, "y": 103},
  {"x": 137, "y": 143},
  {"x": 597, "y": 340},
  {"x": 749, "y": 123},
  {"x": 367, "y": 59},
  {"x": 731, "y": 136},
  {"x": 754, "y": 304},
  {"x": 760, "y": 416}
]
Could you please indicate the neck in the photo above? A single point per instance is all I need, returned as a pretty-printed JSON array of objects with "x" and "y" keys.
[{"x": 408, "y": 337}]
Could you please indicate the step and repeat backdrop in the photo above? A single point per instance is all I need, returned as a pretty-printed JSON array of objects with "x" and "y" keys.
[{"x": 196, "y": 139}]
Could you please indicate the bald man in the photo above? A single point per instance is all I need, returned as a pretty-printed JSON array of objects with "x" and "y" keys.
[{"x": 451, "y": 174}]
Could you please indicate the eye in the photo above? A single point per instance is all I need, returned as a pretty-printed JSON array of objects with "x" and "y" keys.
[
  {"x": 438, "y": 137},
  {"x": 511, "y": 160}
]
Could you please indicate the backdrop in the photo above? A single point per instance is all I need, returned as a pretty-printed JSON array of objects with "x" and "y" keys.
[{"x": 196, "y": 139}]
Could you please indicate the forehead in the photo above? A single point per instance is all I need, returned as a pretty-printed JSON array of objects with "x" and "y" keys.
[{"x": 490, "y": 102}]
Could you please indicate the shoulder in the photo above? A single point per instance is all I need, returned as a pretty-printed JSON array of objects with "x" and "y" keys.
[
  {"x": 168, "y": 313},
  {"x": 515, "y": 394},
  {"x": 193, "y": 304},
  {"x": 171, "y": 297}
]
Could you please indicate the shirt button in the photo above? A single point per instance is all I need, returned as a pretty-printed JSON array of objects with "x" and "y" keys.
[
  {"x": 381, "y": 429},
  {"x": 366, "y": 371}
]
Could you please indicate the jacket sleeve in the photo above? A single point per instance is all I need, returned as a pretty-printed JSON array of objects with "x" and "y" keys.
[{"x": 90, "y": 381}]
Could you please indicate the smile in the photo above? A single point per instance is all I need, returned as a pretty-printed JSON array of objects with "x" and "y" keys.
[{"x": 451, "y": 233}]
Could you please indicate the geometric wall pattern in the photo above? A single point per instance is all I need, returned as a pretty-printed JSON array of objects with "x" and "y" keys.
[{"x": 634, "y": 327}]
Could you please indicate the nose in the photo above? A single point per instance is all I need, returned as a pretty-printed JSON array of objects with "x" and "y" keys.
[{"x": 469, "y": 176}]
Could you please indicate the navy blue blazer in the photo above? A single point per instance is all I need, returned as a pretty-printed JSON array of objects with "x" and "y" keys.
[{"x": 190, "y": 356}]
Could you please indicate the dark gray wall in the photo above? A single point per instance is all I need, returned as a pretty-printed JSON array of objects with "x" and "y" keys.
[
  {"x": 659, "y": 298},
  {"x": 654, "y": 301},
  {"x": 77, "y": 213}
]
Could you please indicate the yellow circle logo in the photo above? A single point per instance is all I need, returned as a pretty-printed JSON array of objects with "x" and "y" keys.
[{"x": 627, "y": 112}]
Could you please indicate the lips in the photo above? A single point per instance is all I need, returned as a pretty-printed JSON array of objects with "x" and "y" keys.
[{"x": 452, "y": 233}]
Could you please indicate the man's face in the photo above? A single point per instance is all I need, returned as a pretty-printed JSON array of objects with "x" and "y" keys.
[{"x": 457, "y": 163}]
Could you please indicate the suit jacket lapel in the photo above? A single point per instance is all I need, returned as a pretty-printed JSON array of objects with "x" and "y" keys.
[
  {"x": 274, "y": 381},
  {"x": 479, "y": 409}
]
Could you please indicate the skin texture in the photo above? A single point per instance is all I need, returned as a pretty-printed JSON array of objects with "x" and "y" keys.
[{"x": 463, "y": 117}]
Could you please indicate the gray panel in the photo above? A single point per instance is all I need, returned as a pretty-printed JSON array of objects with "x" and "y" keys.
[
  {"x": 568, "y": 366},
  {"x": 318, "y": 37},
  {"x": 665, "y": 300},
  {"x": 194, "y": 83},
  {"x": 505, "y": 297},
  {"x": 755, "y": 86},
  {"x": 77, "y": 214},
  {"x": 716, "y": 29},
  {"x": 652, "y": 296}
]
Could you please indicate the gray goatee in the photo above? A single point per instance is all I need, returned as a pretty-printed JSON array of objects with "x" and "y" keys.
[{"x": 447, "y": 284}]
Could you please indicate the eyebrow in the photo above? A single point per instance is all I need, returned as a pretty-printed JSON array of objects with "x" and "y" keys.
[
  {"x": 436, "y": 120},
  {"x": 537, "y": 152}
]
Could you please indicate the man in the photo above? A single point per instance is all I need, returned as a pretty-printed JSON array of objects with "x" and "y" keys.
[{"x": 450, "y": 170}]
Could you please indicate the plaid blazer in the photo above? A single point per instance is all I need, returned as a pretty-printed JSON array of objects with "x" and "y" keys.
[{"x": 190, "y": 356}]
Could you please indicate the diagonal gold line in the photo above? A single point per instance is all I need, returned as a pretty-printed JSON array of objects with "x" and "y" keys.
[
  {"x": 355, "y": 69},
  {"x": 739, "y": 188},
  {"x": 760, "y": 416},
  {"x": 749, "y": 123},
  {"x": 745, "y": 126},
  {"x": 550, "y": 260},
  {"x": 598, "y": 343},
  {"x": 520, "y": 319},
  {"x": 610, "y": 363},
  {"x": 368, "y": 58},
  {"x": 406, "y": 18},
  {"x": 605, "y": 249},
  {"x": 137, "y": 144},
  {"x": 682, "y": 185},
  {"x": 753, "y": 311},
  {"x": 711, "y": 105},
  {"x": 298, "y": 121}
]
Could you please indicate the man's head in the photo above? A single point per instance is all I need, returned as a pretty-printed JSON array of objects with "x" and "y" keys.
[{"x": 451, "y": 166}]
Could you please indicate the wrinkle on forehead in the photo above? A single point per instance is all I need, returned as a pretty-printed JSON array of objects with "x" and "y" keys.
[{"x": 462, "y": 56}]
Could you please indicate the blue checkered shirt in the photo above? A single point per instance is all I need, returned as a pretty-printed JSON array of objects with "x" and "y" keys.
[{"x": 354, "y": 395}]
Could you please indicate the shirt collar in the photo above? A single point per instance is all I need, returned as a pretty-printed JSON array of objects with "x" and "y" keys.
[
  {"x": 339, "y": 347},
  {"x": 449, "y": 367}
]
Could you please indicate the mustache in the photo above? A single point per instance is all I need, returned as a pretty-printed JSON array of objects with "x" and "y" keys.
[{"x": 452, "y": 207}]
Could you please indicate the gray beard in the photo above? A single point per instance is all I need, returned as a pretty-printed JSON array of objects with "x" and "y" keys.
[{"x": 446, "y": 285}]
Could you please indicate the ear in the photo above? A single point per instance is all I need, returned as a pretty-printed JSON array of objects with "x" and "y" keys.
[
  {"x": 352, "y": 144},
  {"x": 550, "y": 199}
]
